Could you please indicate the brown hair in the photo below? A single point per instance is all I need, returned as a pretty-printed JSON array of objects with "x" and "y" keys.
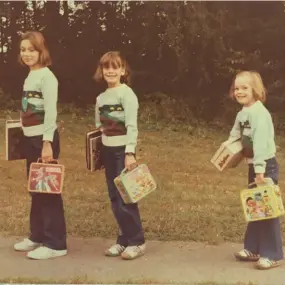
[
  {"x": 257, "y": 85},
  {"x": 116, "y": 60},
  {"x": 38, "y": 41}
]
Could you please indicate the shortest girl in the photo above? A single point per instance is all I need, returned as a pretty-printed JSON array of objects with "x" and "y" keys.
[{"x": 253, "y": 125}]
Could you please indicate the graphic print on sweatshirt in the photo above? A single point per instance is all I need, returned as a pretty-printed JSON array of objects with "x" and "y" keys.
[
  {"x": 112, "y": 120},
  {"x": 246, "y": 139},
  {"x": 32, "y": 109}
]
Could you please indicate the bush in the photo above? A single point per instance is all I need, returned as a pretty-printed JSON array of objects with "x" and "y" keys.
[{"x": 7, "y": 103}]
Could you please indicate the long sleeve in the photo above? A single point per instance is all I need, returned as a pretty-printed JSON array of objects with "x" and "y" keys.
[
  {"x": 261, "y": 131},
  {"x": 50, "y": 94},
  {"x": 97, "y": 115},
  {"x": 130, "y": 105},
  {"x": 235, "y": 132}
]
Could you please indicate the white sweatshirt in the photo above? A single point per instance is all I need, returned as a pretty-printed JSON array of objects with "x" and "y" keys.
[
  {"x": 116, "y": 112},
  {"x": 254, "y": 126},
  {"x": 39, "y": 104}
]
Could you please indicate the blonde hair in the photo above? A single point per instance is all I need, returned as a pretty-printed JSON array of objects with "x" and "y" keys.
[
  {"x": 116, "y": 60},
  {"x": 38, "y": 42},
  {"x": 258, "y": 89}
]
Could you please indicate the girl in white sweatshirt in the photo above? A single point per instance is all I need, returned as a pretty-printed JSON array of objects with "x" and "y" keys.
[
  {"x": 253, "y": 125},
  {"x": 38, "y": 118},
  {"x": 116, "y": 115}
]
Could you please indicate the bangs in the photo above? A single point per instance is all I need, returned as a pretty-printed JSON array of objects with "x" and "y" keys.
[
  {"x": 38, "y": 42},
  {"x": 35, "y": 39},
  {"x": 111, "y": 60}
]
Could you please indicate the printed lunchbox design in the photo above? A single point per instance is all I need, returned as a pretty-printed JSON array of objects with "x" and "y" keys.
[
  {"x": 229, "y": 155},
  {"x": 135, "y": 184},
  {"x": 262, "y": 203},
  {"x": 46, "y": 178}
]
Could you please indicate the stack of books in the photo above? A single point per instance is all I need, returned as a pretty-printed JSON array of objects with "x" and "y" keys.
[{"x": 93, "y": 143}]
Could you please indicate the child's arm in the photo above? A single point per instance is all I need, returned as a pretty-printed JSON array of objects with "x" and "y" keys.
[
  {"x": 50, "y": 94},
  {"x": 235, "y": 132},
  {"x": 97, "y": 115},
  {"x": 260, "y": 134},
  {"x": 130, "y": 105}
]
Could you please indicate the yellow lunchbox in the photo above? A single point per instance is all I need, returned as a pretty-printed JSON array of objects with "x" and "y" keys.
[{"x": 263, "y": 202}]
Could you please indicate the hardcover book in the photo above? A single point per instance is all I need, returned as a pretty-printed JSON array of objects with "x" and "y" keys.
[
  {"x": 94, "y": 150},
  {"x": 14, "y": 140}
]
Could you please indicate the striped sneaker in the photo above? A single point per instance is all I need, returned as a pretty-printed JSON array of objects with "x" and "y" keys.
[
  {"x": 115, "y": 250},
  {"x": 132, "y": 252},
  {"x": 246, "y": 255},
  {"x": 265, "y": 263}
]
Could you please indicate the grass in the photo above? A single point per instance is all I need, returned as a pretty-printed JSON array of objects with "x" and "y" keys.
[
  {"x": 193, "y": 201},
  {"x": 85, "y": 280}
]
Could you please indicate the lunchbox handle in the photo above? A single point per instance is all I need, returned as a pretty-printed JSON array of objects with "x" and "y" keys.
[
  {"x": 268, "y": 181},
  {"x": 125, "y": 170},
  {"x": 53, "y": 161}
]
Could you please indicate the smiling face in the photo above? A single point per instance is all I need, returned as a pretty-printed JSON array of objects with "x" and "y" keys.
[
  {"x": 112, "y": 75},
  {"x": 243, "y": 90},
  {"x": 29, "y": 55}
]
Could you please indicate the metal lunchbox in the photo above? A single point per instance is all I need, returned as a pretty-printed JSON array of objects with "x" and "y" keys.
[
  {"x": 135, "y": 184},
  {"x": 46, "y": 177},
  {"x": 263, "y": 202}
]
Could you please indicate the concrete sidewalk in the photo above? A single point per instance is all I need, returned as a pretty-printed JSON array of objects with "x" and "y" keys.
[{"x": 164, "y": 262}]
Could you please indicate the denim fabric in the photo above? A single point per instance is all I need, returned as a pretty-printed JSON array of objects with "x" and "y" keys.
[
  {"x": 127, "y": 215},
  {"x": 47, "y": 221},
  {"x": 264, "y": 237}
]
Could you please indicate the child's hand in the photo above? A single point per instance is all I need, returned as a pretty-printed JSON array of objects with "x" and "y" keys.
[
  {"x": 47, "y": 154},
  {"x": 259, "y": 178},
  {"x": 130, "y": 162}
]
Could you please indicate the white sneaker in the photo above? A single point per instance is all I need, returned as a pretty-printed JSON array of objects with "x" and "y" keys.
[
  {"x": 44, "y": 252},
  {"x": 115, "y": 250},
  {"x": 132, "y": 252},
  {"x": 26, "y": 245},
  {"x": 266, "y": 263}
]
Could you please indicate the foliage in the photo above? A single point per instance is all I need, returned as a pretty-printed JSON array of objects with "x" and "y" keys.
[{"x": 189, "y": 50}]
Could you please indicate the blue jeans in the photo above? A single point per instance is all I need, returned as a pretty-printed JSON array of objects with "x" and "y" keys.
[
  {"x": 127, "y": 215},
  {"x": 47, "y": 221},
  {"x": 264, "y": 237}
]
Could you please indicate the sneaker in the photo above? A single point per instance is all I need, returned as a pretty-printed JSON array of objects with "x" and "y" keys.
[
  {"x": 246, "y": 255},
  {"x": 265, "y": 263},
  {"x": 44, "y": 252},
  {"x": 115, "y": 250},
  {"x": 132, "y": 252},
  {"x": 26, "y": 245}
]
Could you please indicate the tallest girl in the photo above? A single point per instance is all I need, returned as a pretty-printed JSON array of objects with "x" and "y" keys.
[{"x": 38, "y": 118}]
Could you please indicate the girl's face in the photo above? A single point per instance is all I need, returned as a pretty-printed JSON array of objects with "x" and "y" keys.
[
  {"x": 243, "y": 91},
  {"x": 30, "y": 56},
  {"x": 112, "y": 75}
]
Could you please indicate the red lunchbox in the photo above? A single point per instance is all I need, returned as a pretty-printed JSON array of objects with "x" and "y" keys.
[{"x": 46, "y": 177}]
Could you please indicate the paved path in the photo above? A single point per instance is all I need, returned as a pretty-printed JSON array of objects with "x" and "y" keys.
[{"x": 164, "y": 262}]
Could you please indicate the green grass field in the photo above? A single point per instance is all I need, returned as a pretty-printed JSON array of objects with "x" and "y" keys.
[{"x": 194, "y": 201}]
